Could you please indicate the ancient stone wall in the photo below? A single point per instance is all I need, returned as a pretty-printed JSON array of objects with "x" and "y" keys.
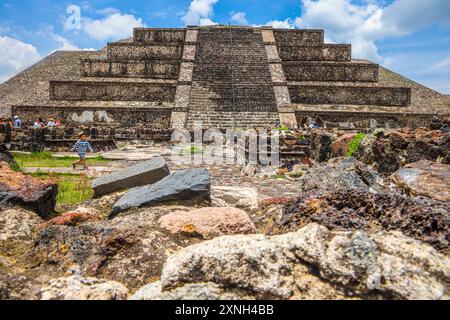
[
  {"x": 364, "y": 120},
  {"x": 326, "y": 52},
  {"x": 289, "y": 37},
  {"x": 145, "y": 35},
  {"x": 323, "y": 94},
  {"x": 120, "y": 117},
  {"x": 333, "y": 71},
  {"x": 132, "y": 69},
  {"x": 112, "y": 91},
  {"x": 134, "y": 51}
]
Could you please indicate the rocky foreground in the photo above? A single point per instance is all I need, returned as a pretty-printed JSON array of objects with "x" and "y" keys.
[{"x": 358, "y": 229}]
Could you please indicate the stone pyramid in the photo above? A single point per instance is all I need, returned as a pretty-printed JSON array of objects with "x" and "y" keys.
[{"x": 223, "y": 76}]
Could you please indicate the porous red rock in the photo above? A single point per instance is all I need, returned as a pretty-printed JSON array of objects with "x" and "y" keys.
[
  {"x": 69, "y": 219},
  {"x": 339, "y": 147},
  {"x": 208, "y": 222},
  {"x": 420, "y": 218},
  {"x": 27, "y": 191}
]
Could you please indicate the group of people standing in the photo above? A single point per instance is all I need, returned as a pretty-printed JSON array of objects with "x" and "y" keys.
[{"x": 39, "y": 123}]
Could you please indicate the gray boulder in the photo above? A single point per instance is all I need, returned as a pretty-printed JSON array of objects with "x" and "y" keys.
[
  {"x": 313, "y": 263},
  {"x": 341, "y": 174},
  {"x": 193, "y": 185},
  {"x": 141, "y": 174}
]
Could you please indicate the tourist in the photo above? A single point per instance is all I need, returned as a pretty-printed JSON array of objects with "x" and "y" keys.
[
  {"x": 39, "y": 123},
  {"x": 51, "y": 123},
  {"x": 81, "y": 147},
  {"x": 17, "y": 123}
]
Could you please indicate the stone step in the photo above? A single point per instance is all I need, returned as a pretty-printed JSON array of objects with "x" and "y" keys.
[
  {"x": 326, "y": 52},
  {"x": 291, "y": 37},
  {"x": 135, "y": 51},
  {"x": 330, "y": 71},
  {"x": 156, "y": 69},
  {"x": 112, "y": 91},
  {"x": 355, "y": 95},
  {"x": 155, "y": 35}
]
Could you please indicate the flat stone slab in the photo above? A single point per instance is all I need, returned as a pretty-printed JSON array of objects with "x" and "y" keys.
[
  {"x": 141, "y": 174},
  {"x": 192, "y": 184}
]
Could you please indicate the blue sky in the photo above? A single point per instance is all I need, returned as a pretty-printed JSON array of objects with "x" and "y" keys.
[{"x": 411, "y": 37}]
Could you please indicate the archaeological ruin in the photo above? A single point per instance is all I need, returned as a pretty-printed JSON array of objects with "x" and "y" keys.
[{"x": 223, "y": 76}]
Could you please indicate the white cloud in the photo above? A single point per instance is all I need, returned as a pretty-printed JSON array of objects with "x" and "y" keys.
[
  {"x": 364, "y": 23},
  {"x": 284, "y": 24},
  {"x": 66, "y": 45},
  {"x": 239, "y": 17},
  {"x": 199, "y": 13},
  {"x": 114, "y": 27},
  {"x": 16, "y": 56}
]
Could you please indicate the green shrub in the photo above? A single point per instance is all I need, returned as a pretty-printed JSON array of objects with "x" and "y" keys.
[
  {"x": 193, "y": 149},
  {"x": 354, "y": 144}
]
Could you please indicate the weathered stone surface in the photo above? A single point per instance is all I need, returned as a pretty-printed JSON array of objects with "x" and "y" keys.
[
  {"x": 239, "y": 197},
  {"x": 193, "y": 185},
  {"x": 193, "y": 291},
  {"x": 385, "y": 265},
  {"x": 17, "y": 286},
  {"x": 321, "y": 145},
  {"x": 27, "y": 191},
  {"x": 141, "y": 174},
  {"x": 339, "y": 148},
  {"x": 390, "y": 150},
  {"x": 425, "y": 178},
  {"x": 18, "y": 224},
  {"x": 341, "y": 174},
  {"x": 81, "y": 288},
  {"x": 130, "y": 249},
  {"x": 420, "y": 218},
  {"x": 70, "y": 219},
  {"x": 208, "y": 222},
  {"x": 5, "y": 155}
]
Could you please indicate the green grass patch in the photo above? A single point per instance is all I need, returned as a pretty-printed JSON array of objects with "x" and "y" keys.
[
  {"x": 354, "y": 144},
  {"x": 47, "y": 160},
  {"x": 282, "y": 128},
  {"x": 193, "y": 149},
  {"x": 73, "y": 189}
]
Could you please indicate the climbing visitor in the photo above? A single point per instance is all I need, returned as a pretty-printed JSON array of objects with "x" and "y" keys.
[
  {"x": 17, "y": 123},
  {"x": 81, "y": 147},
  {"x": 51, "y": 123},
  {"x": 39, "y": 123}
]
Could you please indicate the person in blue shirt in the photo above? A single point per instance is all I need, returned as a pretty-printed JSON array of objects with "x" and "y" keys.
[
  {"x": 81, "y": 147},
  {"x": 17, "y": 123}
]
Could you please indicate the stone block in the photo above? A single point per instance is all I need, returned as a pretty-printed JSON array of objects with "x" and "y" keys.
[
  {"x": 355, "y": 95},
  {"x": 150, "y": 35},
  {"x": 299, "y": 37},
  {"x": 192, "y": 185},
  {"x": 330, "y": 71},
  {"x": 112, "y": 91},
  {"x": 326, "y": 52},
  {"x": 141, "y": 174}
]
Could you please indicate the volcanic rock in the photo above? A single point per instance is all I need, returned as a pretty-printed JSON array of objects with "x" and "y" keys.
[
  {"x": 420, "y": 218},
  {"x": 339, "y": 148},
  {"x": 341, "y": 174},
  {"x": 425, "y": 178},
  {"x": 193, "y": 185},
  {"x": 321, "y": 142},
  {"x": 27, "y": 191}
]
